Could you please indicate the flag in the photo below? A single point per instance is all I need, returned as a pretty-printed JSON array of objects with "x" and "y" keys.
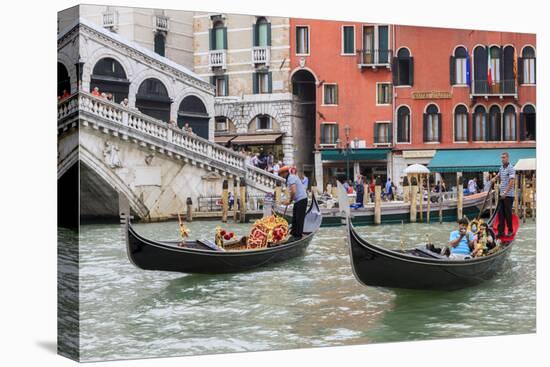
[
  {"x": 468, "y": 80},
  {"x": 489, "y": 67}
]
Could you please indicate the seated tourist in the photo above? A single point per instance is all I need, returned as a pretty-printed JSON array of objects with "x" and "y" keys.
[
  {"x": 95, "y": 92},
  {"x": 484, "y": 241},
  {"x": 461, "y": 241}
]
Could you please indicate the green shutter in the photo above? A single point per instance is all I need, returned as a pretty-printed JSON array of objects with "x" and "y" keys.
[
  {"x": 269, "y": 34},
  {"x": 439, "y": 125},
  {"x": 211, "y": 41},
  {"x": 336, "y": 94},
  {"x": 255, "y": 35},
  {"x": 224, "y": 38},
  {"x": 322, "y": 136},
  {"x": 452, "y": 70},
  {"x": 226, "y": 81},
  {"x": 395, "y": 71},
  {"x": 269, "y": 83},
  {"x": 411, "y": 71},
  {"x": 255, "y": 83},
  {"x": 213, "y": 79},
  {"x": 383, "y": 42}
]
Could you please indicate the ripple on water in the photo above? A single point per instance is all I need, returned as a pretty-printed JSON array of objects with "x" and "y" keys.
[{"x": 312, "y": 301}]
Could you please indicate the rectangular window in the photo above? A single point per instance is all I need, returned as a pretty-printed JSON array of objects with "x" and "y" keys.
[
  {"x": 383, "y": 93},
  {"x": 348, "y": 40},
  {"x": 302, "y": 40},
  {"x": 528, "y": 71},
  {"x": 329, "y": 133},
  {"x": 221, "y": 87},
  {"x": 460, "y": 71},
  {"x": 382, "y": 133},
  {"x": 461, "y": 127},
  {"x": 263, "y": 122},
  {"x": 262, "y": 83},
  {"x": 330, "y": 92}
]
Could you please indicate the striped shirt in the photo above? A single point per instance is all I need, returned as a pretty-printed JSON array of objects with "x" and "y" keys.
[{"x": 506, "y": 174}]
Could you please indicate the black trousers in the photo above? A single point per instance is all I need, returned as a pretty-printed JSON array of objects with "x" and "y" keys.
[
  {"x": 298, "y": 217},
  {"x": 505, "y": 214}
]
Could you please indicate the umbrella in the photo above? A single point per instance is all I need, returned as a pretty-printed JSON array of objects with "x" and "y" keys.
[
  {"x": 526, "y": 164},
  {"x": 416, "y": 169}
]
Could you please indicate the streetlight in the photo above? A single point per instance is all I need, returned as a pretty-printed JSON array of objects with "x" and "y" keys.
[{"x": 347, "y": 149}]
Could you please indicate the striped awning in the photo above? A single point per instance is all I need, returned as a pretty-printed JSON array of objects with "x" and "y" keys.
[
  {"x": 256, "y": 139},
  {"x": 475, "y": 160}
]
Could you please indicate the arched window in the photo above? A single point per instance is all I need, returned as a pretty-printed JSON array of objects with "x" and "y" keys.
[
  {"x": 432, "y": 124},
  {"x": 262, "y": 33},
  {"x": 63, "y": 80},
  {"x": 508, "y": 82},
  {"x": 493, "y": 75},
  {"x": 218, "y": 36},
  {"x": 459, "y": 70},
  {"x": 495, "y": 124},
  {"x": 152, "y": 99},
  {"x": 160, "y": 43},
  {"x": 528, "y": 120},
  {"x": 480, "y": 124},
  {"x": 480, "y": 70},
  {"x": 527, "y": 66},
  {"x": 510, "y": 123},
  {"x": 402, "y": 68},
  {"x": 461, "y": 123},
  {"x": 403, "y": 125},
  {"x": 192, "y": 114},
  {"x": 109, "y": 77}
]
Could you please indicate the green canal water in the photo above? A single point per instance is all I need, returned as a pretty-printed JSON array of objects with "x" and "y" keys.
[{"x": 313, "y": 301}]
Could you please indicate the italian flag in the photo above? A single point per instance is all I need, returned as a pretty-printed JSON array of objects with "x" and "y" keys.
[{"x": 489, "y": 67}]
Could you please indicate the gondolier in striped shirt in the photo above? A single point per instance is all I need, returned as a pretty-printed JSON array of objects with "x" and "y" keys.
[
  {"x": 298, "y": 195},
  {"x": 507, "y": 175}
]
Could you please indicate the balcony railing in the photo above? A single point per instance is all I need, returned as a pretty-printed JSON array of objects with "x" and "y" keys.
[
  {"x": 217, "y": 59},
  {"x": 499, "y": 88},
  {"x": 374, "y": 58},
  {"x": 261, "y": 55},
  {"x": 110, "y": 19},
  {"x": 161, "y": 23}
]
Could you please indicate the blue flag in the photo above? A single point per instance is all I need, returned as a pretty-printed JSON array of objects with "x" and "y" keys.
[{"x": 468, "y": 80}]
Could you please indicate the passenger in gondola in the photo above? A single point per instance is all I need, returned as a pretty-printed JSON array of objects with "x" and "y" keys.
[
  {"x": 297, "y": 195},
  {"x": 461, "y": 241},
  {"x": 484, "y": 240}
]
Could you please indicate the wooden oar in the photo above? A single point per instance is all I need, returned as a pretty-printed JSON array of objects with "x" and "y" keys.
[{"x": 484, "y": 202}]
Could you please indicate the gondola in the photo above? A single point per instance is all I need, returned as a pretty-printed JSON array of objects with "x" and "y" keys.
[
  {"x": 201, "y": 256},
  {"x": 421, "y": 268}
]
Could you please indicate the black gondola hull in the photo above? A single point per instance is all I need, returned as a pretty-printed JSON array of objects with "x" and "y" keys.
[
  {"x": 374, "y": 266},
  {"x": 149, "y": 255}
]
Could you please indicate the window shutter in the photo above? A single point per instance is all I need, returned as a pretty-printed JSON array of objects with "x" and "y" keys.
[
  {"x": 468, "y": 128},
  {"x": 521, "y": 126},
  {"x": 425, "y": 127},
  {"x": 502, "y": 68},
  {"x": 439, "y": 124},
  {"x": 225, "y": 38},
  {"x": 336, "y": 94},
  {"x": 520, "y": 70},
  {"x": 336, "y": 132},
  {"x": 322, "y": 137},
  {"x": 269, "y": 34},
  {"x": 535, "y": 69},
  {"x": 375, "y": 134},
  {"x": 390, "y": 134},
  {"x": 255, "y": 37},
  {"x": 211, "y": 39},
  {"x": 255, "y": 83},
  {"x": 213, "y": 80},
  {"x": 498, "y": 132},
  {"x": 395, "y": 71},
  {"x": 269, "y": 83},
  {"x": 452, "y": 69},
  {"x": 411, "y": 71},
  {"x": 487, "y": 126},
  {"x": 226, "y": 81}
]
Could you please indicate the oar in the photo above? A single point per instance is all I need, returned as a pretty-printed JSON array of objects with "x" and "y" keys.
[{"x": 485, "y": 202}]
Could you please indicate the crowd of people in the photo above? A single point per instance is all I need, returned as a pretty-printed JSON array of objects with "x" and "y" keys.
[{"x": 358, "y": 188}]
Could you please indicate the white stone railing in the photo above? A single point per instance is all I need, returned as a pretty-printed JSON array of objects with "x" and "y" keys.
[
  {"x": 261, "y": 55},
  {"x": 110, "y": 19},
  {"x": 208, "y": 152},
  {"x": 217, "y": 58}
]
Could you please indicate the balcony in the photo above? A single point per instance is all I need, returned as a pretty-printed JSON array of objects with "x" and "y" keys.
[
  {"x": 161, "y": 23},
  {"x": 261, "y": 55},
  {"x": 374, "y": 58},
  {"x": 500, "y": 88},
  {"x": 217, "y": 59},
  {"x": 110, "y": 20}
]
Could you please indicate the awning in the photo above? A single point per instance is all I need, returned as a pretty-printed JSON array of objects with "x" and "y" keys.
[
  {"x": 256, "y": 139},
  {"x": 475, "y": 160},
  {"x": 526, "y": 164},
  {"x": 375, "y": 154},
  {"x": 224, "y": 139}
]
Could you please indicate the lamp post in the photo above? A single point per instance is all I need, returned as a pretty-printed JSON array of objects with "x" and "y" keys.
[{"x": 346, "y": 149}]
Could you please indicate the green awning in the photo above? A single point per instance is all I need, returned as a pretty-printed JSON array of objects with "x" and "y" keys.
[
  {"x": 355, "y": 155},
  {"x": 475, "y": 160}
]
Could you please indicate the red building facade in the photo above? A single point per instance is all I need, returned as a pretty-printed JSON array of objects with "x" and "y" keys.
[{"x": 389, "y": 96}]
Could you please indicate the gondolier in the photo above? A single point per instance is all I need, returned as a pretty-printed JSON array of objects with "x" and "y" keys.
[
  {"x": 297, "y": 195},
  {"x": 507, "y": 175}
]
